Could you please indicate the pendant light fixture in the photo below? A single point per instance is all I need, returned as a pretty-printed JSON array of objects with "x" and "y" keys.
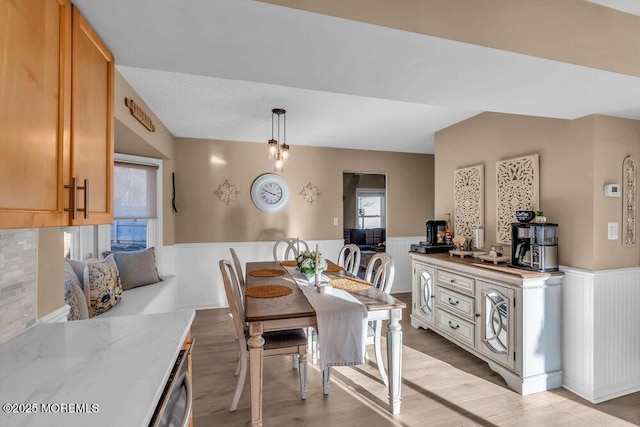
[{"x": 278, "y": 151}]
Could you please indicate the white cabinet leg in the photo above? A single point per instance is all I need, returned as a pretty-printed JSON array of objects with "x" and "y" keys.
[{"x": 256, "y": 343}]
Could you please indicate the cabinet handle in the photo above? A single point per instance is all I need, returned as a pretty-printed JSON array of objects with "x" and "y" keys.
[
  {"x": 453, "y": 303},
  {"x": 74, "y": 198},
  {"x": 453, "y": 327},
  {"x": 433, "y": 296},
  {"x": 452, "y": 280},
  {"x": 477, "y": 315}
]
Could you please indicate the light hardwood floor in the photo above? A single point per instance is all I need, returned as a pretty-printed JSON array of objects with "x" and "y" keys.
[{"x": 442, "y": 385}]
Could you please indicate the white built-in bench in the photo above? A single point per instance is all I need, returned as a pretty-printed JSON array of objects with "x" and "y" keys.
[{"x": 161, "y": 297}]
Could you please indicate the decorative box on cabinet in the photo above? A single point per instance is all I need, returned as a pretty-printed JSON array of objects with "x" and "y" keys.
[
  {"x": 507, "y": 317},
  {"x": 56, "y": 117}
]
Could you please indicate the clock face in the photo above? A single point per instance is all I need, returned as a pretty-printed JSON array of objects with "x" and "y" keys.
[{"x": 270, "y": 192}]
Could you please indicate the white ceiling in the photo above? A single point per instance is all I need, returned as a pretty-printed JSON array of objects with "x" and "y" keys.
[{"x": 215, "y": 69}]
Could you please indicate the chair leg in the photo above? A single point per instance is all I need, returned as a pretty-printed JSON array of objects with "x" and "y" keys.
[
  {"x": 377, "y": 345},
  {"x": 240, "y": 386},
  {"x": 326, "y": 375},
  {"x": 295, "y": 361},
  {"x": 314, "y": 346},
  {"x": 303, "y": 374},
  {"x": 237, "y": 372}
]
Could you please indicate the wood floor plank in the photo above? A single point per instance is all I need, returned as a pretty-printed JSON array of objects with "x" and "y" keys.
[{"x": 442, "y": 385}]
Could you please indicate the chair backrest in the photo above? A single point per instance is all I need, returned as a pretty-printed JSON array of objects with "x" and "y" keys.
[
  {"x": 349, "y": 258},
  {"x": 292, "y": 247},
  {"x": 233, "y": 291},
  {"x": 380, "y": 271},
  {"x": 239, "y": 272}
]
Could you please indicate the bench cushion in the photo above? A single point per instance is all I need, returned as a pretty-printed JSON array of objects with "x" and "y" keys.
[{"x": 159, "y": 297}]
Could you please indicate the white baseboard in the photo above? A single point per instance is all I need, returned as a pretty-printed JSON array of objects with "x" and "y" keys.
[{"x": 59, "y": 315}]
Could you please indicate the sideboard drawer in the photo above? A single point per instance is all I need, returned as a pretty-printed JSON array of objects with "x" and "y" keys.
[
  {"x": 462, "y": 305},
  {"x": 456, "y": 327},
  {"x": 456, "y": 281}
]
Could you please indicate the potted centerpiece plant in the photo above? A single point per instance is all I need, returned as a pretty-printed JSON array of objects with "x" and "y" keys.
[
  {"x": 307, "y": 262},
  {"x": 540, "y": 217}
]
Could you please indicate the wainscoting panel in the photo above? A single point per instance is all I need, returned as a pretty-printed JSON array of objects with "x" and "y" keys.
[
  {"x": 601, "y": 343},
  {"x": 398, "y": 248},
  {"x": 200, "y": 282}
]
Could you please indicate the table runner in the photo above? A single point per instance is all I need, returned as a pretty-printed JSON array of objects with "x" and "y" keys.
[{"x": 342, "y": 324}]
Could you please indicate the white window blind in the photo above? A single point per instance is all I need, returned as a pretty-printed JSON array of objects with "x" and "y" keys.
[{"x": 134, "y": 195}]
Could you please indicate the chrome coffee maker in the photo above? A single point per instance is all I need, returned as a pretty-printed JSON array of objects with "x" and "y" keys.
[{"x": 534, "y": 246}]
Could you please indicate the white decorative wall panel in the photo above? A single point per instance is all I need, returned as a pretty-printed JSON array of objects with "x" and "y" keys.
[
  {"x": 468, "y": 186},
  {"x": 601, "y": 344},
  {"x": 517, "y": 188},
  {"x": 200, "y": 282},
  {"x": 629, "y": 201}
]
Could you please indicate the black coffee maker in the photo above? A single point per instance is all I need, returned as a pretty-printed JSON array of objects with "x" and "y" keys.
[
  {"x": 534, "y": 246},
  {"x": 435, "y": 232}
]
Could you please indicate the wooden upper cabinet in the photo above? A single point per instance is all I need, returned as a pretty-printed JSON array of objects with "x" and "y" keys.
[
  {"x": 91, "y": 123},
  {"x": 56, "y": 116},
  {"x": 35, "y": 95}
]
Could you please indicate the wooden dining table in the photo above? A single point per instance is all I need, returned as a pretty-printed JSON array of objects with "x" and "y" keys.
[{"x": 294, "y": 311}]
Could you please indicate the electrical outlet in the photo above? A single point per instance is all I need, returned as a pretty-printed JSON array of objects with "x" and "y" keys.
[
  {"x": 612, "y": 231},
  {"x": 335, "y": 221}
]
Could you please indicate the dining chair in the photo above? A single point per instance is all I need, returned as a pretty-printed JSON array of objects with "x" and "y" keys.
[
  {"x": 349, "y": 258},
  {"x": 292, "y": 247},
  {"x": 239, "y": 273},
  {"x": 380, "y": 272},
  {"x": 275, "y": 343}
]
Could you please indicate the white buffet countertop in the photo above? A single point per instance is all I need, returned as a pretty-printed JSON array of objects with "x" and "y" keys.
[{"x": 97, "y": 372}]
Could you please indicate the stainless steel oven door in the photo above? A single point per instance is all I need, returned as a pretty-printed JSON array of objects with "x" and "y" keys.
[{"x": 175, "y": 406}]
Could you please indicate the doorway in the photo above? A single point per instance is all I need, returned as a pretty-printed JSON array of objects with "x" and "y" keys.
[{"x": 364, "y": 200}]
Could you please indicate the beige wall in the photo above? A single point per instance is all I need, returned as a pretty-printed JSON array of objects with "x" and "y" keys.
[
  {"x": 576, "y": 159},
  {"x": 573, "y": 31},
  {"x": 133, "y": 138},
  {"x": 614, "y": 140},
  {"x": 202, "y": 165},
  {"x": 50, "y": 272}
]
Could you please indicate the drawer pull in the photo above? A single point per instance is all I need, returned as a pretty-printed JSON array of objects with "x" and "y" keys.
[
  {"x": 453, "y": 327},
  {"x": 453, "y": 303},
  {"x": 452, "y": 280}
]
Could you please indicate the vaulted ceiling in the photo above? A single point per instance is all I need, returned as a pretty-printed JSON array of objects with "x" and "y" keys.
[{"x": 215, "y": 69}]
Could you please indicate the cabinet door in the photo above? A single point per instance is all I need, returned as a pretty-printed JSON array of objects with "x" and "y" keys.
[
  {"x": 495, "y": 331},
  {"x": 424, "y": 295},
  {"x": 92, "y": 123},
  {"x": 35, "y": 48}
]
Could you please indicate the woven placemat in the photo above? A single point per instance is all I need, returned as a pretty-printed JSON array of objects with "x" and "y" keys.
[
  {"x": 291, "y": 263},
  {"x": 334, "y": 268},
  {"x": 266, "y": 272},
  {"x": 350, "y": 285},
  {"x": 268, "y": 291}
]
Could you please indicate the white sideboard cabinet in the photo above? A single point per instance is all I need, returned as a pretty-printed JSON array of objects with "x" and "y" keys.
[{"x": 506, "y": 316}]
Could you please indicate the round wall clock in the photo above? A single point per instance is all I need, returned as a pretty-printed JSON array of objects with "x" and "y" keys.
[{"x": 270, "y": 192}]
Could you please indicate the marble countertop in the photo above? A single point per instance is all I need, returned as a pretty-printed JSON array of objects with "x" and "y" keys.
[{"x": 98, "y": 372}]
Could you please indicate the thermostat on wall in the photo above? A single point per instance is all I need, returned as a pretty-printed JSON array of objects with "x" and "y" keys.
[{"x": 612, "y": 190}]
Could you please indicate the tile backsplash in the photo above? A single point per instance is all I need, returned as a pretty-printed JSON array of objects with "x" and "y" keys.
[{"x": 18, "y": 281}]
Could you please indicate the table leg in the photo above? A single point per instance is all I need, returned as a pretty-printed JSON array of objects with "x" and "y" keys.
[
  {"x": 394, "y": 356},
  {"x": 256, "y": 343}
]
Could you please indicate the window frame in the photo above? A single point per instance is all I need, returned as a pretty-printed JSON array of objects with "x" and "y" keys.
[{"x": 372, "y": 192}]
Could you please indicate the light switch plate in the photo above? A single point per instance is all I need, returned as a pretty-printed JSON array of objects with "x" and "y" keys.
[
  {"x": 612, "y": 231},
  {"x": 335, "y": 221}
]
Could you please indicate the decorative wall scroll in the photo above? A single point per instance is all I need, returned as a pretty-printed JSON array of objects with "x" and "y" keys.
[
  {"x": 227, "y": 192},
  {"x": 517, "y": 188},
  {"x": 139, "y": 114},
  {"x": 629, "y": 201},
  {"x": 468, "y": 185},
  {"x": 310, "y": 193}
]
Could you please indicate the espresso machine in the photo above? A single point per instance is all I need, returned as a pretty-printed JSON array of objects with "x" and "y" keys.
[{"x": 534, "y": 246}]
